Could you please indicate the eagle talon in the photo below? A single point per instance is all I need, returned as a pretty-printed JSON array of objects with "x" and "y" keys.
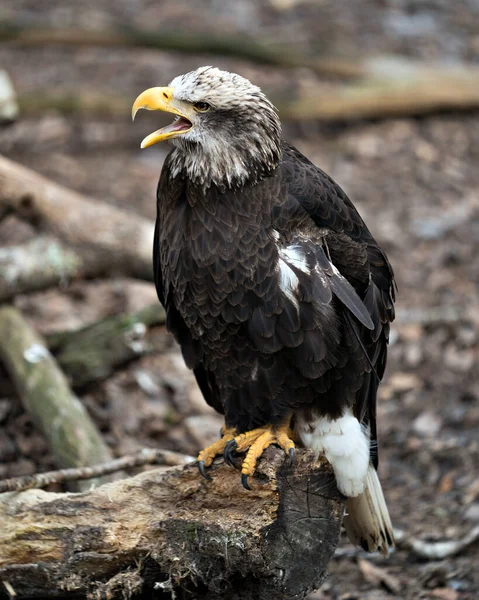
[
  {"x": 201, "y": 468},
  {"x": 228, "y": 452},
  {"x": 206, "y": 456},
  {"x": 244, "y": 481},
  {"x": 291, "y": 457},
  {"x": 254, "y": 443}
]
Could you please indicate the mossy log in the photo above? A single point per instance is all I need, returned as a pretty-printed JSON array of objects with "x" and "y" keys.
[
  {"x": 72, "y": 436},
  {"x": 95, "y": 351},
  {"x": 174, "y": 532}
]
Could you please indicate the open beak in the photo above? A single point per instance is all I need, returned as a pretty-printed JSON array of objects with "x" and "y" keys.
[{"x": 161, "y": 98}]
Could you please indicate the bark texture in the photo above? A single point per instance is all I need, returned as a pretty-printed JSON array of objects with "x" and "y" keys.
[
  {"x": 43, "y": 263},
  {"x": 122, "y": 239},
  {"x": 176, "y": 533}
]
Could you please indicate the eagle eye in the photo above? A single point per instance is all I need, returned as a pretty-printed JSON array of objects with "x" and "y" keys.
[{"x": 201, "y": 106}]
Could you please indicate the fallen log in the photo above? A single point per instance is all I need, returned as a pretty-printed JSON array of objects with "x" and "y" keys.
[
  {"x": 95, "y": 351},
  {"x": 389, "y": 87},
  {"x": 45, "y": 262},
  {"x": 173, "y": 532},
  {"x": 71, "y": 435},
  {"x": 178, "y": 41},
  {"x": 124, "y": 239}
]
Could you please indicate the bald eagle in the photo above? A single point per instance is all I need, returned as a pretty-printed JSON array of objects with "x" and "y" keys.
[{"x": 275, "y": 289}]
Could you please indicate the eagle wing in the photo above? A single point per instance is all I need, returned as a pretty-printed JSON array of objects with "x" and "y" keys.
[{"x": 357, "y": 256}]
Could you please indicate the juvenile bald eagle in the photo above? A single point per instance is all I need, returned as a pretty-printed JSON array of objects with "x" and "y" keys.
[{"x": 274, "y": 287}]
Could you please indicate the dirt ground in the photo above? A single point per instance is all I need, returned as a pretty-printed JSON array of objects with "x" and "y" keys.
[{"x": 416, "y": 183}]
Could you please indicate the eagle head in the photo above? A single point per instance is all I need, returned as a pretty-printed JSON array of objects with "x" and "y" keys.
[{"x": 225, "y": 132}]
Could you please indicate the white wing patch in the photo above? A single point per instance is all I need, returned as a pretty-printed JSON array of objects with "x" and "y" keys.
[
  {"x": 346, "y": 446},
  {"x": 295, "y": 257},
  {"x": 292, "y": 256},
  {"x": 288, "y": 280}
]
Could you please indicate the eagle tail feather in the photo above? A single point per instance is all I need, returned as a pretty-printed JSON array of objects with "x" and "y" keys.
[{"x": 368, "y": 523}]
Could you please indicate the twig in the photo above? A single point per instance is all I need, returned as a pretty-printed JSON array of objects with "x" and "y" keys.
[
  {"x": 422, "y": 549},
  {"x": 118, "y": 236},
  {"x": 147, "y": 456},
  {"x": 435, "y": 550},
  {"x": 70, "y": 433},
  {"x": 10, "y": 591}
]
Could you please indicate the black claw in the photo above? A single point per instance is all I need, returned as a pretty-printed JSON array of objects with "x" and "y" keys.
[
  {"x": 201, "y": 469},
  {"x": 244, "y": 481},
  {"x": 228, "y": 453},
  {"x": 291, "y": 457}
]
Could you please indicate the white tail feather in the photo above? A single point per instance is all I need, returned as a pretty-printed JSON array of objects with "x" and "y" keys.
[{"x": 368, "y": 523}]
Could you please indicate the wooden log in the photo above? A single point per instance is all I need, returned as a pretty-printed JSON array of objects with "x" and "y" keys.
[
  {"x": 42, "y": 263},
  {"x": 388, "y": 88},
  {"x": 70, "y": 433},
  {"x": 179, "y": 41},
  {"x": 174, "y": 532},
  {"x": 95, "y": 351},
  {"x": 125, "y": 238},
  {"x": 385, "y": 86}
]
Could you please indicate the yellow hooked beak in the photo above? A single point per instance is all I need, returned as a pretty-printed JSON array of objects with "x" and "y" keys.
[{"x": 161, "y": 98}]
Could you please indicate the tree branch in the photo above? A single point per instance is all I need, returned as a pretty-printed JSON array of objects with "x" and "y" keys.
[
  {"x": 173, "y": 531},
  {"x": 147, "y": 456},
  {"x": 436, "y": 550}
]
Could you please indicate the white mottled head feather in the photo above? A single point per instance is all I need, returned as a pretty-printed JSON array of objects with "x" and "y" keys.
[{"x": 237, "y": 140}]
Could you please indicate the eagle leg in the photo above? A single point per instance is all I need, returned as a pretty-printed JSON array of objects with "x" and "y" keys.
[
  {"x": 255, "y": 443},
  {"x": 206, "y": 456}
]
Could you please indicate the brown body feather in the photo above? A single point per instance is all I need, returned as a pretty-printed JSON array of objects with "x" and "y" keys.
[{"x": 258, "y": 357}]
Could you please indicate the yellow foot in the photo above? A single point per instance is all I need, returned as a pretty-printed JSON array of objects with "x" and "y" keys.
[
  {"x": 256, "y": 442},
  {"x": 206, "y": 456}
]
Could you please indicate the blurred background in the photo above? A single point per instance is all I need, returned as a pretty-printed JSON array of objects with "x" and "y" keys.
[{"x": 383, "y": 95}]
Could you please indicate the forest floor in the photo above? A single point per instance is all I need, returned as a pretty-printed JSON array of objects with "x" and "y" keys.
[{"x": 414, "y": 180}]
